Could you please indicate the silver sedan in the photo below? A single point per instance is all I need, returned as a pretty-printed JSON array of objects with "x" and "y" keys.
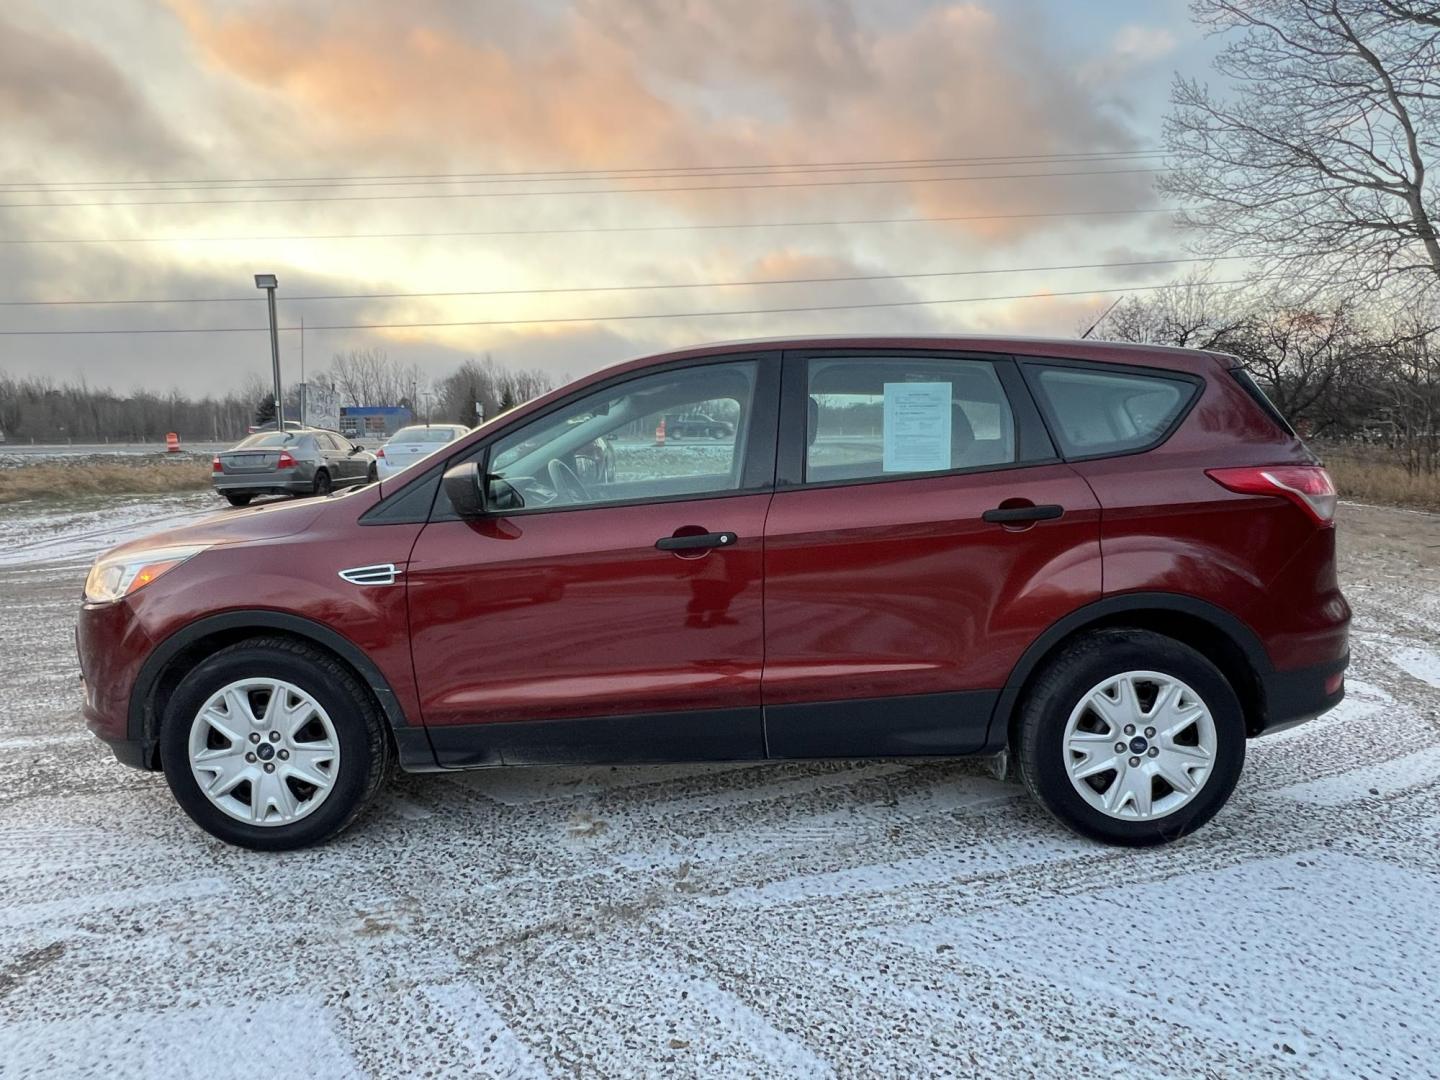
[{"x": 310, "y": 461}]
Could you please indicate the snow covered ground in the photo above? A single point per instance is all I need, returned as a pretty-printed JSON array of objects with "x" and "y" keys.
[{"x": 845, "y": 919}]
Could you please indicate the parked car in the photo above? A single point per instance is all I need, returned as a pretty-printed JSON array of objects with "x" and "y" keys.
[
  {"x": 305, "y": 461},
  {"x": 697, "y": 426},
  {"x": 410, "y": 444},
  {"x": 1109, "y": 564}
]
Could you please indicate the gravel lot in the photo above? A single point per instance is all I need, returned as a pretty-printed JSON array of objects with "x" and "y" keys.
[{"x": 871, "y": 918}]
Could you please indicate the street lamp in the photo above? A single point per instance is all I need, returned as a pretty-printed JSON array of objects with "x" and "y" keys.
[{"x": 269, "y": 284}]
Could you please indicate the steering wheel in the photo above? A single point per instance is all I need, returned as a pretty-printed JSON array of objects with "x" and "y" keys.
[{"x": 566, "y": 482}]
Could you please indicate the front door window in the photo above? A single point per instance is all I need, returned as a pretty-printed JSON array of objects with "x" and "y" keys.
[{"x": 668, "y": 435}]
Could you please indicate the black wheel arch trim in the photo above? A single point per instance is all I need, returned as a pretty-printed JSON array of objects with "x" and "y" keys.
[
  {"x": 1244, "y": 638},
  {"x": 143, "y": 725}
]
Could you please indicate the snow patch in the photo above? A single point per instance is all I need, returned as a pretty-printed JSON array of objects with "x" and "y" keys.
[
  {"x": 1232, "y": 951},
  {"x": 495, "y": 1048},
  {"x": 218, "y": 1042},
  {"x": 978, "y": 859},
  {"x": 1423, "y": 664},
  {"x": 1383, "y": 778}
]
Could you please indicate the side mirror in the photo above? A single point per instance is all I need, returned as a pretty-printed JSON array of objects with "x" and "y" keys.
[
  {"x": 356, "y": 448},
  {"x": 466, "y": 488}
]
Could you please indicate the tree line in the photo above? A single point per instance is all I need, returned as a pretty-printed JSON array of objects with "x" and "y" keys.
[{"x": 42, "y": 409}]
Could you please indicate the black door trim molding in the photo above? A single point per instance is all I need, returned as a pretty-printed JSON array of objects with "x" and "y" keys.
[
  {"x": 646, "y": 738},
  {"x": 916, "y": 725}
]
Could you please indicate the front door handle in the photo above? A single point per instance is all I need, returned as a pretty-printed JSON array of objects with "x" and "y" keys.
[
  {"x": 697, "y": 542},
  {"x": 1011, "y": 515}
]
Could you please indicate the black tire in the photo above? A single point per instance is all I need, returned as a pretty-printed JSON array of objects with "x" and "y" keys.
[
  {"x": 373, "y": 474},
  {"x": 239, "y": 500},
  {"x": 322, "y": 484},
  {"x": 1037, "y": 738},
  {"x": 359, "y": 727}
]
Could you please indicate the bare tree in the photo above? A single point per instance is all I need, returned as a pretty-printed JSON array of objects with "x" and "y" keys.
[
  {"x": 1192, "y": 313},
  {"x": 1318, "y": 162}
]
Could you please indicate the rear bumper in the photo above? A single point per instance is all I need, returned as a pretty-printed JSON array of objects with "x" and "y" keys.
[
  {"x": 263, "y": 484},
  {"x": 1292, "y": 697},
  {"x": 387, "y": 470}
]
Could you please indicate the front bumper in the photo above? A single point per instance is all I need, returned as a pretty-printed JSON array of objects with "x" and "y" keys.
[
  {"x": 112, "y": 646},
  {"x": 1292, "y": 697}
]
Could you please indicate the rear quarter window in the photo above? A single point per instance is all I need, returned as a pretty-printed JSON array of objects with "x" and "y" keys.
[{"x": 1093, "y": 413}]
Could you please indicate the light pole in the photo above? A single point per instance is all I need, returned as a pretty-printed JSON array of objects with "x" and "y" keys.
[{"x": 268, "y": 283}]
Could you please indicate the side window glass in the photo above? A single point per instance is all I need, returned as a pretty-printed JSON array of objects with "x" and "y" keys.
[
  {"x": 1101, "y": 412},
  {"x": 879, "y": 416},
  {"x": 657, "y": 436}
]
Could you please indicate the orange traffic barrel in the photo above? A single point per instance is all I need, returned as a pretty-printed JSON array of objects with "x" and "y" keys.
[
  {"x": 172, "y": 443},
  {"x": 660, "y": 432}
]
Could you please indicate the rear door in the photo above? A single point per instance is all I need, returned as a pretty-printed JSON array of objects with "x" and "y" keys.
[
  {"x": 604, "y": 618},
  {"x": 344, "y": 466},
  {"x": 922, "y": 535}
]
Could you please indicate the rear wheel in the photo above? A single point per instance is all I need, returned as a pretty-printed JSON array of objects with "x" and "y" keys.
[
  {"x": 1130, "y": 737},
  {"x": 272, "y": 744},
  {"x": 239, "y": 500},
  {"x": 322, "y": 483}
]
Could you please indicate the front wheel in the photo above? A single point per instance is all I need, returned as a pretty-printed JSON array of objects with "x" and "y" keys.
[
  {"x": 1130, "y": 737},
  {"x": 272, "y": 744}
]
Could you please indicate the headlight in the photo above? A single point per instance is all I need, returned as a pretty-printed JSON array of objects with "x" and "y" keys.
[{"x": 114, "y": 576}]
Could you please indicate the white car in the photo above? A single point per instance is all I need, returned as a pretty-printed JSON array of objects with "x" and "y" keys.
[{"x": 410, "y": 444}]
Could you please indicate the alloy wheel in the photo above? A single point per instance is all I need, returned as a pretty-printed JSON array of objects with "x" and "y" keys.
[
  {"x": 1139, "y": 745},
  {"x": 264, "y": 751}
]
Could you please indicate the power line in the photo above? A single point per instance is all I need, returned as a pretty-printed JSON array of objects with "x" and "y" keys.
[
  {"x": 596, "y": 173},
  {"x": 689, "y": 227},
  {"x": 584, "y": 191},
  {"x": 353, "y": 183},
  {"x": 606, "y": 318},
  {"x": 299, "y": 297}
]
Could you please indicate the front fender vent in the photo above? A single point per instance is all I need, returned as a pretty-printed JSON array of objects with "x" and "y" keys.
[{"x": 379, "y": 574}]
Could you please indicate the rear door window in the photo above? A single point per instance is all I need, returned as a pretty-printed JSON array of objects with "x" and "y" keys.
[
  {"x": 1093, "y": 413},
  {"x": 895, "y": 415}
]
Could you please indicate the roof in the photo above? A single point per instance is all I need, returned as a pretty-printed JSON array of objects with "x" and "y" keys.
[{"x": 1121, "y": 352}]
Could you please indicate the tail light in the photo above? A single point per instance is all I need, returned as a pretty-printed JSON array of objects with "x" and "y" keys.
[
  {"x": 285, "y": 461},
  {"x": 1307, "y": 486},
  {"x": 215, "y": 465},
  {"x": 380, "y": 453}
]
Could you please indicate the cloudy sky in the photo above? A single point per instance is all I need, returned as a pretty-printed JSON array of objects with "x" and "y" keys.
[{"x": 315, "y": 139}]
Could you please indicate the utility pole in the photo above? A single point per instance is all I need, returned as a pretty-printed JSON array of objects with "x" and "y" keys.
[
  {"x": 303, "y": 387},
  {"x": 269, "y": 283}
]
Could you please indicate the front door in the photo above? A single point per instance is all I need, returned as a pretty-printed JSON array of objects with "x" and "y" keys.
[
  {"x": 921, "y": 536},
  {"x": 613, "y": 609}
]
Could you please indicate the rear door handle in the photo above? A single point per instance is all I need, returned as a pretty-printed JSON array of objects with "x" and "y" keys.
[
  {"x": 1010, "y": 515},
  {"x": 696, "y": 542}
]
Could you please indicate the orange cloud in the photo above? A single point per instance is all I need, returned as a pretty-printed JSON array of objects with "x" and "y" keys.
[{"x": 603, "y": 85}]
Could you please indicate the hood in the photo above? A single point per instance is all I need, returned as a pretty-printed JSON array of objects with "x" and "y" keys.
[{"x": 267, "y": 522}]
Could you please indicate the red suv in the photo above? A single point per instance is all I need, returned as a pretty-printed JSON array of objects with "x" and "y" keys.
[{"x": 1113, "y": 563}]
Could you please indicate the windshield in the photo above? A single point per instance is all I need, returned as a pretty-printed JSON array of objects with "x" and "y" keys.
[
  {"x": 436, "y": 434},
  {"x": 266, "y": 438}
]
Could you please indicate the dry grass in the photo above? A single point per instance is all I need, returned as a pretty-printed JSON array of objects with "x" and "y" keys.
[
  {"x": 101, "y": 476},
  {"x": 1370, "y": 475}
]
